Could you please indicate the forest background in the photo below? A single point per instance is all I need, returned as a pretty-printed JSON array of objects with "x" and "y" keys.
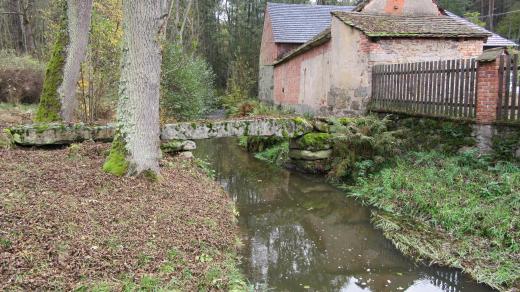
[{"x": 211, "y": 52}]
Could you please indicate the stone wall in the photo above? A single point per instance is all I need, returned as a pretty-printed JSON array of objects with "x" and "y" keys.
[
  {"x": 409, "y": 50},
  {"x": 235, "y": 128},
  {"x": 350, "y": 86},
  {"x": 58, "y": 134}
]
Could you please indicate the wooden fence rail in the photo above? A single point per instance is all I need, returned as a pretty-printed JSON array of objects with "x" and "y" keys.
[
  {"x": 436, "y": 88},
  {"x": 508, "y": 89}
]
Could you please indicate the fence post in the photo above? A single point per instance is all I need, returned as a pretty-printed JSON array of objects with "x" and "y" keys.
[
  {"x": 488, "y": 86},
  {"x": 487, "y": 97}
]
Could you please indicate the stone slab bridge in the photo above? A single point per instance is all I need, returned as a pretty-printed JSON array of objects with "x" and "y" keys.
[{"x": 60, "y": 134}]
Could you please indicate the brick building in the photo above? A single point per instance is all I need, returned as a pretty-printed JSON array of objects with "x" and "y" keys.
[{"x": 319, "y": 58}]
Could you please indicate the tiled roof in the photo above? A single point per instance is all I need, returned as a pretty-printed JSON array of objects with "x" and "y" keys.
[
  {"x": 316, "y": 41},
  {"x": 493, "y": 41},
  {"x": 409, "y": 26},
  {"x": 299, "y": 23}
]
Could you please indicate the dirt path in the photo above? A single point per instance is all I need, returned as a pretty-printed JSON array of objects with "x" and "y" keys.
[{"x": 64, "y": 224}]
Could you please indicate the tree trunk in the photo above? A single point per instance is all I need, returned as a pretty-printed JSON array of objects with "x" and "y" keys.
[
  {"x": 16, "y": 25},
  {"x": 491, "y": 14},
  {"x": 50, "y": 104},
  {"x": 58, "y": 99},
  {"x": 79, "y": 13},
  {"x": 135, "y": 149}
]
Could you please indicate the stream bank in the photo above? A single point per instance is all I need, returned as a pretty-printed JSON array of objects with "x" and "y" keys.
[
  {"x": 302, "y": 234},
  {"x": 440, "y": 200}
]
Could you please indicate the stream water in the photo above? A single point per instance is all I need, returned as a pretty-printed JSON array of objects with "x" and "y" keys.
[{"x": 302, "y": 234}]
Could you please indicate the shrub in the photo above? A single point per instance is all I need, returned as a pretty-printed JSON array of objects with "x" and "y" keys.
[
  {"x": 256, "y": 144},
  {"x": 239, "y": 107},
  {"x": 21, "y": 78},
  {"x": 361, "y": 145},
  {"x": 187, "y": 85},
  {"x": 277, "y": 154},
  {"x": 422, "y": 134}
]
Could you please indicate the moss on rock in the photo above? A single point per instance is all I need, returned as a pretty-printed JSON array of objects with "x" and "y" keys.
[
  {"x": 116, "y": 163},
  {"x": 50, "y": 103},
  {"x": 316, "y": 141}
]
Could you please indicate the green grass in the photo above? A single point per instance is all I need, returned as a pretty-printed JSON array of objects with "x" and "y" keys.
[
  {"x": 472, "y": 203},
  {"x": 254, "y": 108},
  {"x": 11, "y": 60},
  {"x": 18, "y": 107}
]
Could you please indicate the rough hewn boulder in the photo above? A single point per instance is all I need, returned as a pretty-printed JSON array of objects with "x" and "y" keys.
[
  {"x": 310, "y": 155},
  {"x": 178, "y": 146},
  {"x": 58, "y": 134}
]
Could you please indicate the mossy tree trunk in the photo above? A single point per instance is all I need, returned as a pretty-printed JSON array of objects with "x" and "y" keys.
[
  {"x": 135, "y": 149},
  {"x": 58, "y": 99},
  {"x": 50, "y": 104}
]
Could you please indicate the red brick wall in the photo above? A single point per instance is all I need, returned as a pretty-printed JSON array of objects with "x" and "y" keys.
[
  {"x": 269, "y": 50},
  {"x": 487, "y": 92},
  {"x": 287, "y": 76}
]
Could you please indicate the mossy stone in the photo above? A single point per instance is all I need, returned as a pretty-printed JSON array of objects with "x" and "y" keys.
[{"x": 315, "y": 141}]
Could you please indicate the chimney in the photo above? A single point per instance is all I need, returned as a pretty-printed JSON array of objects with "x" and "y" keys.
[{"x": 394, "y": 7}]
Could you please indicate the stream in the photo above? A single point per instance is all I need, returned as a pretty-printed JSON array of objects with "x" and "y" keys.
[{"x": 303, "y": 234}]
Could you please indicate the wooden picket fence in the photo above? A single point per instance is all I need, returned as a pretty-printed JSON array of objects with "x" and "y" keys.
[
  {"x": 508, "y": 89},
  {"x": 436, "y": 88}
]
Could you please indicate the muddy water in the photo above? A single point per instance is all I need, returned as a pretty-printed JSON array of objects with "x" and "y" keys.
[{"x": 302, "y": 234}]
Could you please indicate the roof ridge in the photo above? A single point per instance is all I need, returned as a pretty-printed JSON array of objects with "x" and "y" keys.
[
  {"x": 374, "y": 25},
  {"x": 389, "y": 15},
  {"x": 307, "y": 5}
]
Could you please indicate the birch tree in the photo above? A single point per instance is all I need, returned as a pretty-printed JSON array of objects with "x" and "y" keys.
[
  {"x": 58, "y": 100},
  {"x": 135, "y": 149}
]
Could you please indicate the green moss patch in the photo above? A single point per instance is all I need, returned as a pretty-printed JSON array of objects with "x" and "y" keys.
[
  {"x": 300, "y": 121},
  {"x": 315, "y": 141},
  {"x": 116, "y": 162}
]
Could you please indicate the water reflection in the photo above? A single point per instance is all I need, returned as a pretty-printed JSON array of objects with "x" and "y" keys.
[{"x": 302, "y": 234}]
